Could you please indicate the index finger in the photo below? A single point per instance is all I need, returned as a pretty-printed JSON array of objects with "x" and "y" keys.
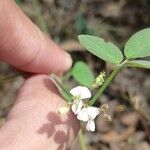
[{"x": 24, "y": 46}]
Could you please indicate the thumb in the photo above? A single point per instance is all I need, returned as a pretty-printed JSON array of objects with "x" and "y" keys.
[
  {"x": 33, "y": 122},
  {"x": 24, "y": 46}
]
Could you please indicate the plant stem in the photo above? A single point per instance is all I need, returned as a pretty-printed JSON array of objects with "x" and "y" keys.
[
  {"x": 104, "y": 86},
  {"x": 66, "y": 76},
  {"x": 81, "y": 139}
]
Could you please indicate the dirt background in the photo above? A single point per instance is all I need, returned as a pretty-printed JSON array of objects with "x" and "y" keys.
[{"x": 129, "y": 94}]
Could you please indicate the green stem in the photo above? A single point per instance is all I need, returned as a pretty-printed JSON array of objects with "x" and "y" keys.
[
  {"x": 66, "y": 76},
  {"x": 81, "y": 139},
  {"x": 104, "y": 86},
  {"x": 107, "y": 82}
]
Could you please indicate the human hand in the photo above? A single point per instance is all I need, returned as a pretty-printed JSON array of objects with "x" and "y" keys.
[
  {"x": 24, "y": 46},
  {"x": 33, "y": 122}
]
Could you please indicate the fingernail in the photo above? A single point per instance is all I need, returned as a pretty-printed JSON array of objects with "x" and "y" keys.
[{"x": 68, "y": 60}]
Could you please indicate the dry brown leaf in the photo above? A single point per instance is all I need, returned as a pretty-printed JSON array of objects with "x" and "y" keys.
[
  {"x": 130, "y": 119},
  {"x": 114, "y": 136},
  {"x": 71, "y": 45},
  {"x": 142, "y": 146}
]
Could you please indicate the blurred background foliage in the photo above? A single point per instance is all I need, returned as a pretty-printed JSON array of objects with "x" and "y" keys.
[{"x": 128, "y": 96}]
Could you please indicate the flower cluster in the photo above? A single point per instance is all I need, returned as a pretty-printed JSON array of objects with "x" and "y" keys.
[{"x": 82, "y": 110}]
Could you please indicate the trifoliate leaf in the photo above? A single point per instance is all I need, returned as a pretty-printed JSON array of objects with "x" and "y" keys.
[
  {"x": 138, "y": 45},
  {"x": 104, "y": 50},
  {"x": 139, "y": 63}
]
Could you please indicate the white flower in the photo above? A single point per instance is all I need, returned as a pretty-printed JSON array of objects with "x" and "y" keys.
[
  {"x": 77, "y": 106},
  {"x": 79, "y": 93},
  {"x": 88, "y": 115}
]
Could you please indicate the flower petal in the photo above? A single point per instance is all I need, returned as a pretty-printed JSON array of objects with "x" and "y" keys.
[
  {"x": 74, "y": 107},
  {"x": 93, "y": 112},
  {"x": 83, "y": 115},
  {"x": 80, "y": 104},
  {"x": 90, "y": 126},
  {"x": 76, "y": 91},
  {"x": 77, "y": 106},
  {"x": 85, "y": 93}
]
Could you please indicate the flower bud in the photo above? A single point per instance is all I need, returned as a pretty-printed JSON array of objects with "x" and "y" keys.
[
  {"x": 107, "y": 117},
  {"x": 99, "y": 80},
  {"x": 64, "y": 109},
  {"x": 104, "y": 108}
]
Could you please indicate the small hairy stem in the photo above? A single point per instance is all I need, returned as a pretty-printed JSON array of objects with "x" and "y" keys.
[
  {"x": 107, "y": 82},
  {"x": 81, "y": 139}
]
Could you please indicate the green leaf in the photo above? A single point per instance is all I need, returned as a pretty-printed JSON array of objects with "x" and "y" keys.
[
  {"x": 104, "y": 50},
  {"x": 63, "y": 91},
  {"x": 139, "y": 63},
  {"x": 82, "y": 74},
  {"x": 18, "y": 1},
  {"x": 138, "y": 45}
]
